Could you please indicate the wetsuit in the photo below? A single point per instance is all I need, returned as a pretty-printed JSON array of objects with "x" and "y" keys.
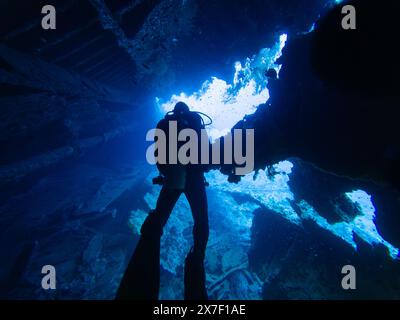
[{"x": 141, "y": 280}]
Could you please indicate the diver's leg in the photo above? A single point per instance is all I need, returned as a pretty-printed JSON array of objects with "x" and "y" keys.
[
  {"x": 195, "y": 288},
  {"x": 197, "y": 198},
  {"x": 142, "y": 277}
]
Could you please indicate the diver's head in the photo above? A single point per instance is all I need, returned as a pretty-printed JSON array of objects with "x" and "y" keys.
[{"x": 181, "y": 109}]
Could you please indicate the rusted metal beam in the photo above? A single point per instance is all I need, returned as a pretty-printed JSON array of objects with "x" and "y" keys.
[
  {"x": 66, "y": 36},
  {"x": 17, "y": 171},
  {"x": 92, "y": 57},
  {"x": 95, "y": 73},
  {"x": 76, "y": 50},
  {"x": 128, "y": 8},
  {"x": 109, "y": 23}
]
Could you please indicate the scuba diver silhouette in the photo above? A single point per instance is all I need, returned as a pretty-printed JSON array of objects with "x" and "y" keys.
[{"x": 142, "y": 277}]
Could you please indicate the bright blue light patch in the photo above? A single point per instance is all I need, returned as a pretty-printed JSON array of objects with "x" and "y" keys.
[
  {"x": 231, "y": 221},
  {"x": 228, "y": 103},
  {"x": 273, "y": 193},
  {"x": 223, "y": 103},
  {"x": 362, "y": 225},
  {"x": 276, "y": 195}
]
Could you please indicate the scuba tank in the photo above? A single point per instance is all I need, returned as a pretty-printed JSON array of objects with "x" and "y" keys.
[{"x": 174, "y": 176}]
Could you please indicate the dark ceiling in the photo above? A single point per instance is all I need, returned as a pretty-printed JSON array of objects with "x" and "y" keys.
[
  {"x": 93, "y": 38},
  {"x": 123, "y": 43},
  {"x": 96, "y": 75}
]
